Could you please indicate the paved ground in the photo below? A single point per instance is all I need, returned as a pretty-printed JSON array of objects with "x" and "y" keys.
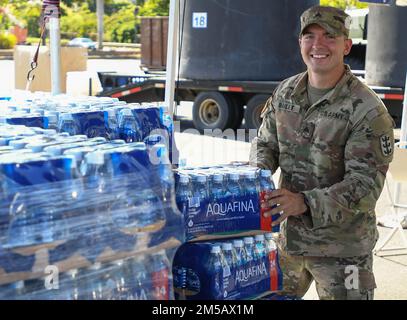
[{"x": 391, "y": 272}]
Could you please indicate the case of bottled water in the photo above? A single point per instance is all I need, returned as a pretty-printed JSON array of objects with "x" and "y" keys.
[
  {"x": 222, "y": 201},
  {"x": 228, "y": 269}
]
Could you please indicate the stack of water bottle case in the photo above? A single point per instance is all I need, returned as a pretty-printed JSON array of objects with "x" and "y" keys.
[
  {"x": 230, "y": 253},
  {"x": 87, "y": 203}
]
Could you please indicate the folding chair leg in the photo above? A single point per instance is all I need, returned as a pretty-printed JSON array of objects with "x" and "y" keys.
[{"x": 388, "y": 238}]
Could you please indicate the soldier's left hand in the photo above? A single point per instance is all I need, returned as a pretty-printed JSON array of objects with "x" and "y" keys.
[{"x": 288, "y": 204}]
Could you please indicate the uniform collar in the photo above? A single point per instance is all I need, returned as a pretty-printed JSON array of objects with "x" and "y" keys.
[{"x": 299, "y": 93}]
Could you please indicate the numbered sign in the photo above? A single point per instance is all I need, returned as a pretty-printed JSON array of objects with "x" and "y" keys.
[{"x": 199, "y": 19}]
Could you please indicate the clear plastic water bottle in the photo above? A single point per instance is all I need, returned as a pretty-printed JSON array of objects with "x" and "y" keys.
[
  {"x": 217, "y": 191},
  {"x": 160, "y": 275},
  {"x": 259, "y": 249},
  {"x": 266, "y": 181},
  {"x": 250, "y": 186},
  {"x": 22, "y": 229},
  {"x": 183, "y": 194},
  {"x": 94, "y": 284},
  {"x": 98, "y": 175},
  {"x": 140, "y": 283},
  {"x": 128, "y": 126},
  {"x": 163, "y": 166},
  {"x": 119, "y": 278},
  {"x": 233, "y": 186},
  {"x": 67, "y": 124},
  {"x": 18, "y": 290},
  {"x": 200, "y": 191},
  {"x": 215, "y": 269},
  {"x": 228, "y": 261},
  {"x": 270, "y": 244},
  {"x": 69, "y": 285},
  {"x": 111, "y": 124},
  {"x": 239, "y": 252},
  {"x": 249, "y": 248},
  {"x": 51, "y": 120}
]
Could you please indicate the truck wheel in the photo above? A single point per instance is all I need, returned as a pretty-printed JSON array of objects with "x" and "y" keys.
[
  {"x": 238, "y": 112},
  {"x": 212, "y": 110},
  {"x": 253, "y": 111}
]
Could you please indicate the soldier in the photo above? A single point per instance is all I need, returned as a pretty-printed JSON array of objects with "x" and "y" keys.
[{"x": 332, "y": 137}]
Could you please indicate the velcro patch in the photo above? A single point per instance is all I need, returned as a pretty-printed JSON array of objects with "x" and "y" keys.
[{"x": 385, "y": 144}]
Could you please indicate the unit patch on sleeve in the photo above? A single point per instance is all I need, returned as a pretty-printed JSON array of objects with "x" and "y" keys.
[{"x": 387, "y": 150}]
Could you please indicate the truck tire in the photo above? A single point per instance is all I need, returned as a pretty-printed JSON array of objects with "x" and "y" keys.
[
  {"x": 213, "y": 110},
  {"x": 238, "y": 112},
  {"x": 253, "y": 111}
]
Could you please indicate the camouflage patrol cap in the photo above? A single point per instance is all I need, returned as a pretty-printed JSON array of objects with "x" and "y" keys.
[{"x": 333, "y": 20}]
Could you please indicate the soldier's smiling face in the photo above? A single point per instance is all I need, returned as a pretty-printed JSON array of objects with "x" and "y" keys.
[{"x": 321, "y": 51}]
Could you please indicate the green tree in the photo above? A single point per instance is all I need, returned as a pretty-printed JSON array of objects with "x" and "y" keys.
[
  {"x": 78, "y": 22},
  {"x": 121, "y": 25},
  {"x": 155, "y": 8},
  {"x": 344, "y": 4}
]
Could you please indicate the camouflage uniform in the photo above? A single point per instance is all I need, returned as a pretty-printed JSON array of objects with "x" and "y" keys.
[{"x": 336, "y": 153}]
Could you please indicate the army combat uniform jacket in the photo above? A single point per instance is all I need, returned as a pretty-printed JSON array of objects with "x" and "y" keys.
[{"x": 336, "y": 152}]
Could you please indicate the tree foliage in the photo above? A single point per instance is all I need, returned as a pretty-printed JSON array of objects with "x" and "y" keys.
[
  {"x": 155, "y": 8},
  {"x": 344, "y": 4}
]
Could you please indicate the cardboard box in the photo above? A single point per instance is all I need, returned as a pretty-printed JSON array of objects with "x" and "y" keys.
[{"x": 72, "y": 59}]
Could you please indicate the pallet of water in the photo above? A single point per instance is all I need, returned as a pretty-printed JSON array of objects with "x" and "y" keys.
[{"x": 72, "y": 201}]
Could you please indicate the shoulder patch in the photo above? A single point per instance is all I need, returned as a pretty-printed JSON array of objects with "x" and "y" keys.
[{"x": 386, "y": 145}]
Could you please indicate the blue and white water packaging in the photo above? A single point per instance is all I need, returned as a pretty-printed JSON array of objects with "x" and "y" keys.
[
  {"x": 249, "y": 248},
  {"x": 250, "y": 188},
  {"x": 215, "y": 267},
  {"x": 128, "y": 126},
  {"x": 112, "y": 124},
  {"x": 183, "y": 194},
  {"x": 67, "y": 124},
  {"x": 217, "y": 191}
]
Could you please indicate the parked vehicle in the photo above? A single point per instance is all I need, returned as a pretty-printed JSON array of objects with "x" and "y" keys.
[{"x": 83, "y": 42}]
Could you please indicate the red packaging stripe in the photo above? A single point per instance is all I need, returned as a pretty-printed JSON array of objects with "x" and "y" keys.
[
  {"x": 265, "y": 223},
  {"x": 273, "y": 271}
]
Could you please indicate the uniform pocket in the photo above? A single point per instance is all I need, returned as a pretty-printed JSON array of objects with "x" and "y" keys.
[{"x": 367, "y": 284}]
